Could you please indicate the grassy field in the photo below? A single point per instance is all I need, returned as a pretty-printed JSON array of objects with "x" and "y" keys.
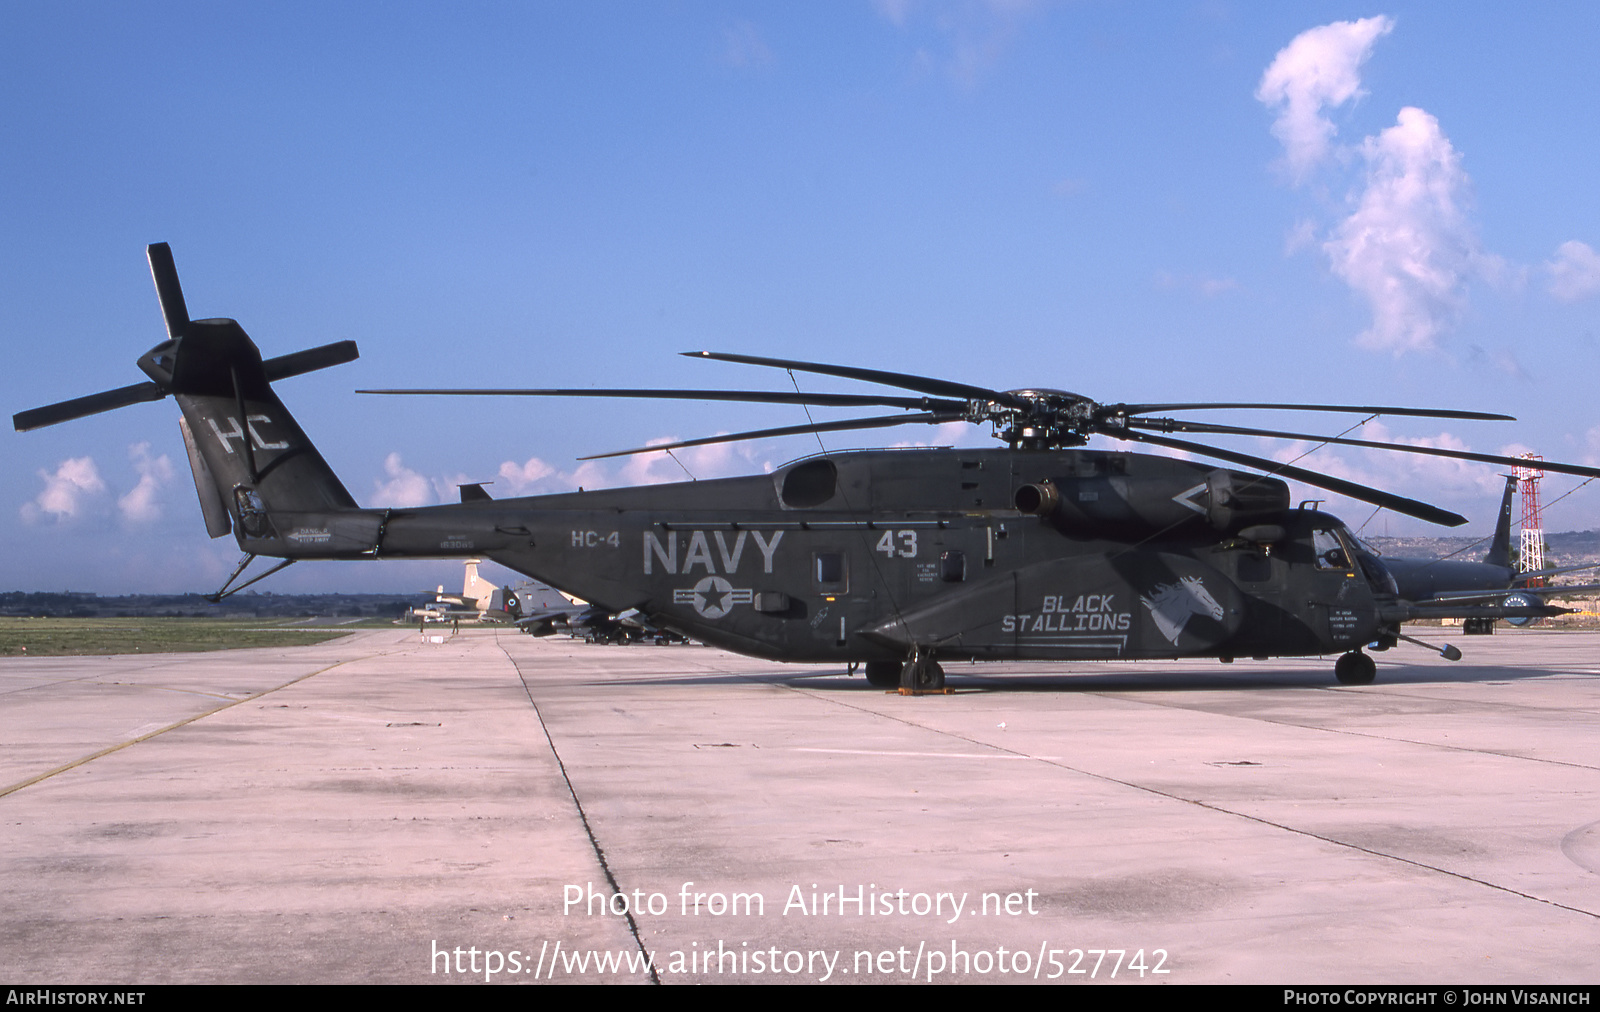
[{"x": 55, "y": 637}]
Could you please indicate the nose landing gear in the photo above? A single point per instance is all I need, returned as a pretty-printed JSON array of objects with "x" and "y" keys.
[{"x": 1355, "y": 668}]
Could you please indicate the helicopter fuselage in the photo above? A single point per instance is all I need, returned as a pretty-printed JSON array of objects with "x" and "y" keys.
[{"x": 964, "y": 554}]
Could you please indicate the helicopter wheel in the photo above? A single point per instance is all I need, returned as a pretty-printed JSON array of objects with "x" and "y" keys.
[
  {"x": 1355, "y": 668},
  {"x": 883, "y": 674},
  {"x": 922, "y": 674}
]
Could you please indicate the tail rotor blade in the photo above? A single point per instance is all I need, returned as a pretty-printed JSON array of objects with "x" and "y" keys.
[
  {"x": 78, "y": 407},
  {"x": 160, "y": 362},
  {"x": 296, "y": 363},
  {"x": 165, "y": 274}
]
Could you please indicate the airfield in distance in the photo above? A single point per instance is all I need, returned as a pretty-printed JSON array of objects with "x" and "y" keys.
[{"x": 383, "y": 808}]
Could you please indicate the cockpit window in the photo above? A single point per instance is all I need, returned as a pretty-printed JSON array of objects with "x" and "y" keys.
[
  {"x": 1381, "y": 579},
  {"x": 1331, "y": 552}
]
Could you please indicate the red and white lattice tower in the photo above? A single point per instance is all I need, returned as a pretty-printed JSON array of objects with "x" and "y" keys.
[{"x": 1531, "y": 557}]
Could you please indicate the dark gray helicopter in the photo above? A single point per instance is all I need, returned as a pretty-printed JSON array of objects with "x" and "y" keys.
[{"x": 898, "y": 559}]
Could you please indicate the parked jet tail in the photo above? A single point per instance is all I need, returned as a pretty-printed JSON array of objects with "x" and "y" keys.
[{"x": 1500, "y": 547}]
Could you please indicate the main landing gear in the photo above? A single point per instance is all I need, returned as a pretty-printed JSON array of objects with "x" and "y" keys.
[
  {"x": 1355, "y": 668},
  {"x": 921, "y": 673}
]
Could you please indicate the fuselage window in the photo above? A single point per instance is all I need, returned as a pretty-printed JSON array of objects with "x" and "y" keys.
[{"x": 829, "y": 570}]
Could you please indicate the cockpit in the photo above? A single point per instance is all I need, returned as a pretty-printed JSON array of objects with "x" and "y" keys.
[{"x": 1336, "y": 549}]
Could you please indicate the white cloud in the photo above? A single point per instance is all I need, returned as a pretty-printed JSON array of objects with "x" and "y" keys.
[
  {"x": 68, "y": 492},
  {"x": 143, "y": 504},
  {"x": 1575, "y": 272},
  {"x": 1318, "y": 70},
  {"x": 1409, "y": 248},
  {"x": 405, "y": 487},
  {"x": 524, "y": 478}
]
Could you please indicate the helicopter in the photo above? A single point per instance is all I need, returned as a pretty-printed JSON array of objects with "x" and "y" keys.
[{"x": 895, "y": 560}]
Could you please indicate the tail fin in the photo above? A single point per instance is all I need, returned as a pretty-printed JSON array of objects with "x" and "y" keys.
[
  {"x": 1500, "y": 547},
  {"x": 475, "y": 588},
  {"x": 251, "y": 461},
  {"x": 250, "y": 444}
]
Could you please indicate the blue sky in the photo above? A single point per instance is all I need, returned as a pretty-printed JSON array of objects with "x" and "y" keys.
[{"x": 1183, "y": 201}]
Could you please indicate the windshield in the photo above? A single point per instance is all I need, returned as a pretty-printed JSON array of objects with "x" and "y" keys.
[
  {"x": 1339, "y": 550},
  {"x": 1331, "y": 550}
]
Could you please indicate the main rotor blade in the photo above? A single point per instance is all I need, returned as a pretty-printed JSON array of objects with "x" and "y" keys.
[
  {"x": 758, "y": 396},
  {"x": 1388, "y": 500},
  {"x": 1541, "y": 573},
  {"x": 78, "y": 407},
  {"x": 905, "y": 381},
  {"x": 1177, "y": 425},
  {"x": 1145, "y": 409},
  {"x": 168, "y": 292},
  {"x": 881, "y": 422}
]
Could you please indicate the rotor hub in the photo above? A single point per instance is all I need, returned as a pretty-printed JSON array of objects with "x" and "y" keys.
[{"x": 1040, "y": 418}]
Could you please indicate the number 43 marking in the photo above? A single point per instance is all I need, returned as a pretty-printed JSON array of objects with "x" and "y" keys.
[{"x": 907, "y": 549}]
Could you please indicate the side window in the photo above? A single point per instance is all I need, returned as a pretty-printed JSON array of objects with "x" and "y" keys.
[
  {"x": 829, "y": 572},
  {"x": 953, "y": 567}
]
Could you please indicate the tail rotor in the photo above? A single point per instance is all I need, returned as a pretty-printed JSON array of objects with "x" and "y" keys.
[{"x": 162, "y": 363}]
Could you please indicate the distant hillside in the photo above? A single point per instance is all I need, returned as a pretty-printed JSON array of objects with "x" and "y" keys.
[
  {"x": 1571, "y": 548},
  {"x": 248, "y": 604}
]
